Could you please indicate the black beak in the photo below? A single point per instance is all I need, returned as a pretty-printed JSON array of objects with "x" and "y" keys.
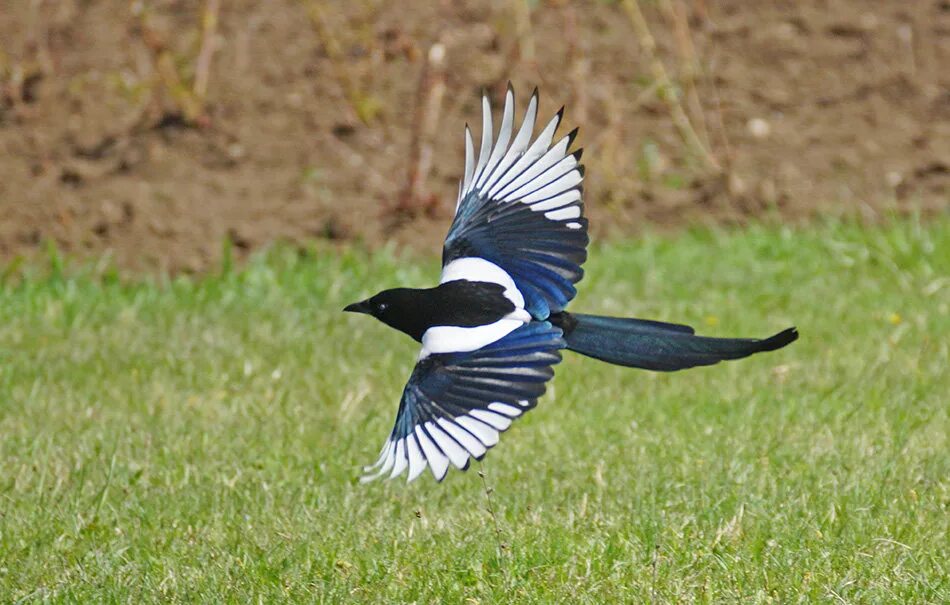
[{"x": 360, "y": 307}]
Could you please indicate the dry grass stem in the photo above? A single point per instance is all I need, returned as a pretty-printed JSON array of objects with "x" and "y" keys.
[
  {"x": 670, "y": 95},
  {"x": 502, "y": 547},
  {"x": 362, "y": 107},
  {"x": 189, "y": 99},
  {"x": 415, "y": 196},
  {"x": 209, "y": 29},
  {"x": 690, "y": 67}
]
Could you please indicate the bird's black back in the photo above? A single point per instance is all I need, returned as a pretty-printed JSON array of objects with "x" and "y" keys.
[{"x": 460, "y": 303}]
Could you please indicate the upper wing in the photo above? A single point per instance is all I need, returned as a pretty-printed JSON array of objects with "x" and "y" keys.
[
  {"x": 455, "y": 404},
  {"x": 519, "y": 207}
]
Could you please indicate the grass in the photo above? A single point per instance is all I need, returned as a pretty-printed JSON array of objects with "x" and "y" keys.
[{"x": 198, "y": 440}]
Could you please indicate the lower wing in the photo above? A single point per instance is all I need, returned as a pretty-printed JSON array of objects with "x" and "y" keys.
[{"x": 455, "y": 405}]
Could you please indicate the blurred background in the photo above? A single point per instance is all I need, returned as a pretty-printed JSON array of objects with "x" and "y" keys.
[{"x": 154, "y": 130}]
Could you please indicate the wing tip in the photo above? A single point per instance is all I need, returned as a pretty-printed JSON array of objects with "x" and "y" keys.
[{"x": 571, "y": 136}]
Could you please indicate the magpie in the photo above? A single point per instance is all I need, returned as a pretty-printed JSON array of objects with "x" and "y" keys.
[{"x": 495, "y": 326}]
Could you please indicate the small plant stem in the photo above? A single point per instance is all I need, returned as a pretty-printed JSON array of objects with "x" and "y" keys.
[
  {"x": 690, "y": 65},
  {"x": 335, "y": 53},
  {"x": 491, "y": 511},
  {"x": 428, "y": 108},
  {"x": 209, "y": 28},
  {"x": 653, "y": 564},
  {"x": 677, "y": 113}
]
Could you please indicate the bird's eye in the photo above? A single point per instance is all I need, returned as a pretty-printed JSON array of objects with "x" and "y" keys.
[{"x": 380, "y": 307}]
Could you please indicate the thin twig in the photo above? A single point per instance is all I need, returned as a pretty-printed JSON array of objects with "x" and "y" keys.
[
  {"x": 680, "y": 119},
  {"x": 676, "y": 11},
  {"x": 187, "y": 101},
  {"x": 491, "y": 512},
  {"x": 209, "y": 28},
  {"x": 721, "y": 123},
  {"x": 363, "y": 108},
  {"x": 428, "y": 108},
  {"x": 332, "y": 47}
]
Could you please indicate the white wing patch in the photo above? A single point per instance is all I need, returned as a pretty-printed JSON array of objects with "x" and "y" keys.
[
  {"x": 457, "y": 339},
  {"x": 543, "y": 176},
  {"x": 478, "y": 269},
  {"x": 446, "y": 441},
  {"x": 563, "y": 213}
]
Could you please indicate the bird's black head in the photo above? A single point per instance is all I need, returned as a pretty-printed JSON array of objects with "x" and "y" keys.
[{"x": 397, "y": 308}]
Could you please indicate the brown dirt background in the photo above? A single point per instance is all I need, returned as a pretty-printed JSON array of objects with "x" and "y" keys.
[{"x": 835, "y": 107}]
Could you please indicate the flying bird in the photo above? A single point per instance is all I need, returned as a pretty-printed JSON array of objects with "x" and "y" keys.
[{"x": 495, "y": 326}]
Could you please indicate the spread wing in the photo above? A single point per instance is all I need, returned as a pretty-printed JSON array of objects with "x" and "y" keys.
[
  {"x": 519, "y": 207},
  {"x": 456, "y": 404}
]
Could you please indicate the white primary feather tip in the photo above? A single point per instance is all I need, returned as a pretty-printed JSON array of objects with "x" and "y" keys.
[{"x": 536, "y": 173}]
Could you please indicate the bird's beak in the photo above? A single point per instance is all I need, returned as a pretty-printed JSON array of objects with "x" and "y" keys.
[{"x": 359, "y": 307}]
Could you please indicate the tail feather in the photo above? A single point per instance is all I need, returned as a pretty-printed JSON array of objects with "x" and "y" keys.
[{"x": 654, "y": 345}]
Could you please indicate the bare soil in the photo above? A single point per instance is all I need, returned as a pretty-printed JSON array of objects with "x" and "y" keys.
[{"x": 839, "y": 107}]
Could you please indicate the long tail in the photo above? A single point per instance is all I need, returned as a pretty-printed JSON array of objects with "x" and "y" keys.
[{"x": 654, "y": 345}]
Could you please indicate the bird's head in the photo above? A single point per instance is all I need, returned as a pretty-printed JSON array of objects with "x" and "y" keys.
[{"x": 392, "y": 307}]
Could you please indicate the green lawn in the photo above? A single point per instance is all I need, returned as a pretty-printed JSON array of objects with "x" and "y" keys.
[{"x": 199, "y": 440}]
